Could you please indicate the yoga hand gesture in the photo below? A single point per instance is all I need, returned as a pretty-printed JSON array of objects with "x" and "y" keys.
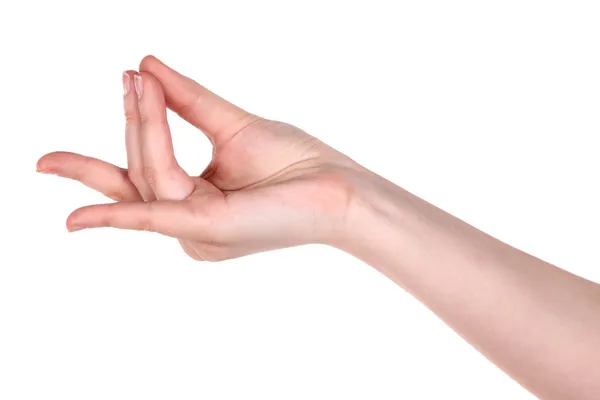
[{"x": 269, "y": 184}]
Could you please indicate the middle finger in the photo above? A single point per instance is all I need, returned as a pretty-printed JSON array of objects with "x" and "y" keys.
[{"x": 135, "y": 163}]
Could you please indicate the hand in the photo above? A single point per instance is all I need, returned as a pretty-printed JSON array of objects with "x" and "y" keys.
[{"x": 269, "y": 185}]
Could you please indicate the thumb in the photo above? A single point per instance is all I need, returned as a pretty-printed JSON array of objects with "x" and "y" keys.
[{"x": 213, "y": 115}]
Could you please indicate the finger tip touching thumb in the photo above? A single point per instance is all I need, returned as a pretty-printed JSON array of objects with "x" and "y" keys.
[{"x": 154, "y": 66}]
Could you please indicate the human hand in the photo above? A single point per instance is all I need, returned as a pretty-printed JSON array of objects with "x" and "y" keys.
[{"x": 269, "y": 185}]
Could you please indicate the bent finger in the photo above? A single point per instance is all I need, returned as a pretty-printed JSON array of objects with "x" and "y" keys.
[
  {"x": 162, "y": 172},
  {"x": 135, "y": 164}
]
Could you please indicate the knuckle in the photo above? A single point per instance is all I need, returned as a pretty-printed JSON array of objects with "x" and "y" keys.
[
  {"x": 107, "y": 222},
  {"x": 135, "y": 176},
  {"x": 146, "y": 222},
  {"x": 81, "y": 174},
  {"x": 131, "y": 118},
  {"x": 78, "y": 175},
  {"x": 153, "y": 120},
  {"x": 187, "y": 109},
  {"x": 149, "y": 175},
  {"x": 144, "y": 119},
  {"x": 147, "y": 226}
]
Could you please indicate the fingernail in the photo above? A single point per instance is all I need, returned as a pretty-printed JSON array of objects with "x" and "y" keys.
[
  {"x": 44, "y": 171},
  {"x": 75, "y": 228},
  {"x": 139, "y": 87},
  {"x": 126, "y": 84}
]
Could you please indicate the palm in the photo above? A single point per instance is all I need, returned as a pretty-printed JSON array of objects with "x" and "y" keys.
[
  {"x": 269, "y": 185},
  {"x": 259, "y": 152},
  {"x": 276, "y": 178}
]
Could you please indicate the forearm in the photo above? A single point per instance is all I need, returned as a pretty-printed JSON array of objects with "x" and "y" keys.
[{"x": 537, "y": 322}]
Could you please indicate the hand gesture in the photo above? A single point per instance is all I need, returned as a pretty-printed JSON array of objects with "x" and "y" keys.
[{"x": 269, "y": 185}]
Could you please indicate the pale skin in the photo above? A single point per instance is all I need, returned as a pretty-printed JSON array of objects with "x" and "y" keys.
[{"x": 271, "y": 185}]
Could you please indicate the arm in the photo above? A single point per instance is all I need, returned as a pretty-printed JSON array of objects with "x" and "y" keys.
[
  {"x": 271, "y": 185},
  {"x": 538, "y": 323}
]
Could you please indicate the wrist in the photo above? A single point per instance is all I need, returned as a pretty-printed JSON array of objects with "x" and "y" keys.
[
  {"x": 404, "y": 236},
  {"x": 378, "y": 220}
]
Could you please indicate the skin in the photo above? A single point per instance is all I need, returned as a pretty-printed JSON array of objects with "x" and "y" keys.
[{"x": 271, "y": 185}]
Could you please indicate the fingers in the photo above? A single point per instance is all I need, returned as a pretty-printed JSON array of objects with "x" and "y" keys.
[
  {"x": 216, "y": 117},
  {"x": 169, "y": 218},
  {"x": 135, "y": 161},
  {"x": 150, "y": 158},
  {"x": 161, "y": 170},
  {"x": 106, "y": 178}
]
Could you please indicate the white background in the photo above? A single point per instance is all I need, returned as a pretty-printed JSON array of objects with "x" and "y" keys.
[{"x": 490, "y": 110}]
